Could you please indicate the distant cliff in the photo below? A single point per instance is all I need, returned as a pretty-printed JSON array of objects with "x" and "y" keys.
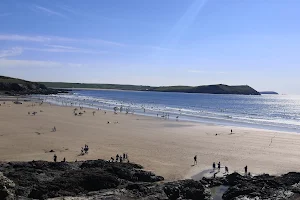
[
  {"x": 268, "y": 92},
  {"x": 13, "y": 86},
  {"x": 210, "y": 89}
]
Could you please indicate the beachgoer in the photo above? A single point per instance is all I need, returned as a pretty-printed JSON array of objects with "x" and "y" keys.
[
  {"x": 246, "y": 169},
  {"x": 112, "y": 159},
  {"x": 231, "y": 131},
  {"x": 86, "y": 149},
  {"x": 214, "y": 165},
  {"x": 64, "y": 160},
  {"x": 54, "y": 157},
  {"x": 121, "y": 159},
  {"x": 219, "y": 166},
  {"x": 124, "y": 155},
  {"x": 226, "y": 169},
  {"x": 82, "y": 151},
  {"x": 117, "y": 157},
  {"x": 195, "y": 160}
]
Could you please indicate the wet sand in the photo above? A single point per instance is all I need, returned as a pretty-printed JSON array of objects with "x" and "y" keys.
[{"x": 165, "y": 147}]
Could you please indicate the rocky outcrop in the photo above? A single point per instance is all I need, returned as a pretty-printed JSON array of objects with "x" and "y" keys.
[
  {"x": 12, "y": 86},
  {"x": 7, "y": 188},
  {"x": 263, "y": 186},
  {"x": 99, "y": 179}
]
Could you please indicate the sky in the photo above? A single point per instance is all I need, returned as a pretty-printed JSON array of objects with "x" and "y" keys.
[{"x": 157, "y": 42}]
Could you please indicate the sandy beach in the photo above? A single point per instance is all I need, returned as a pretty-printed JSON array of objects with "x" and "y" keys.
[{"x": 165, "y": 147}]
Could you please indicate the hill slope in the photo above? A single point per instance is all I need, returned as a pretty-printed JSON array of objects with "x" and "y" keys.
[
  {"x": 14, "y": 86},
  {"x": 210, "y": 89}
]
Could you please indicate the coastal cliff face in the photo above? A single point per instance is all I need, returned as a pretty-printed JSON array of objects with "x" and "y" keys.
[
  {"x": 12, "y": 86},
  {"x": 211, "y": 89},
  {"x": 208, "y": 89},
  {"x": 99, "y": 179}
]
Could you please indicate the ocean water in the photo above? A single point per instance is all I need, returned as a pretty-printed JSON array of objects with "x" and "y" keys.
[{"x": 274, "y": 112}]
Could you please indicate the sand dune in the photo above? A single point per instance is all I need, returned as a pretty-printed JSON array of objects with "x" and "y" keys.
[{"x": 163, "y": 146}]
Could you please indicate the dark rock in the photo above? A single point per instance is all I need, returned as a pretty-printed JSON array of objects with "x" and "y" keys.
[
  {"x": 99, "y": 179},
  {"x": 7, "y": 187},
  {"x": 42, "y": 179},
  {"x": 186, "y": 189},
  {"x": 262, "y": 186}
]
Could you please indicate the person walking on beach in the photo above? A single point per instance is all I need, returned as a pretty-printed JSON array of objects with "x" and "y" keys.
[
  {"x": 214, "y": 166},
  {"x": 64, "y": 160},
  {"x": 195, "y": 160},
  {"x": 54, "y": 158},
  {"x": 246, "y": 169},
  {"x": 117, "y": 157},
  {"x": 226, "y": 169},
  {"x": 231, "y": 131},
  {"x": 219, "y": 166}
]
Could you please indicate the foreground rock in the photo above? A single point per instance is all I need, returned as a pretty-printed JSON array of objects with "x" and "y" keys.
[
  {"x": 258, "y": 187},
  {"x": 96, "y": 179},
  {"x": 99, "y": 179}
]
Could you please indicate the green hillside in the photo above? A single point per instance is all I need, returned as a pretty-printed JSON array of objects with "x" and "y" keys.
[
  {"x": 210, "y": 89},
  {"x": 14, "y": 86}
]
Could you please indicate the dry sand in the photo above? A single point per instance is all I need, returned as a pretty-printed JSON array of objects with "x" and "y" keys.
[{"x": 163, "y": 146}]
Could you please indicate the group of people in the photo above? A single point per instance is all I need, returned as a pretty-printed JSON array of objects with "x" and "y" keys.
[
  {"x": 55, "y": 158},
  {"x": 84, "y": 150},
  {"x": 120, "y": 158},
  {"x": 219, "y": 167}
]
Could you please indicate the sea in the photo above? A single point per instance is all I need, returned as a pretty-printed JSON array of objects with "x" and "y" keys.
[{"x": 272, "y": 112}]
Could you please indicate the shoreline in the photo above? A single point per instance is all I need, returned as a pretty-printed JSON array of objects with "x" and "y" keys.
[
  {"x": 195, "y": 119},
  {"x": 165, "y": 147}
]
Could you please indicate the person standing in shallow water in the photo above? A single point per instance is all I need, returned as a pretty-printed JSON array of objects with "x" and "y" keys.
[{"x": 195, "y": 160}]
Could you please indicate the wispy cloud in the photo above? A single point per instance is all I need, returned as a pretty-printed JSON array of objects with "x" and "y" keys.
[
  {"x": 68, "y": 9},
  {"x": 48, "y": 11},
  {"x": 11, "y": 52},
  {"x": 4, "y": 63},
  {"x": 206, "y": 72},
  {"x": 60, "y": 46},
  {"x": 66, "y": 42},
  {"x": 65, "y": 50},
  {"x": 24, "y": 38},
  {"x": 48, "y": 39}
]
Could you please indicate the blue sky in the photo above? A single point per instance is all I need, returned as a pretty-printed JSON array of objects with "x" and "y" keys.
[{"x": 169, "y": 42}]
